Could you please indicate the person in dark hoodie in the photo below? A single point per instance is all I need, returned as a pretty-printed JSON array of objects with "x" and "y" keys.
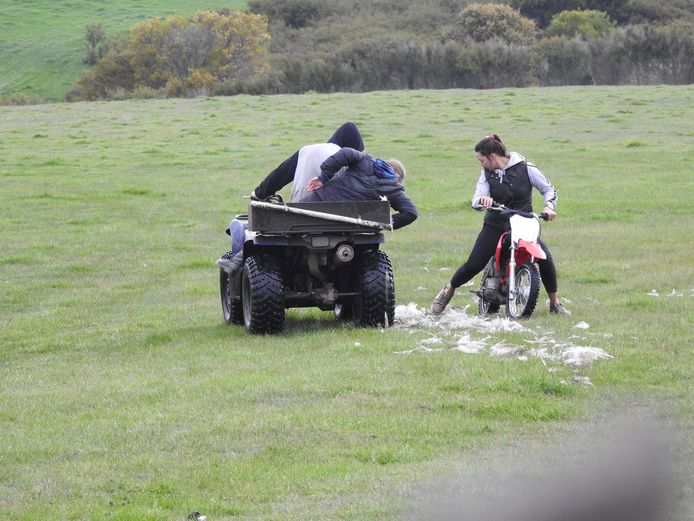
[
  {"x": 305, "y": 163},
  {"x": 506, "y": 178},
  {"x": 298, "y": 169},
  {"x": 352, "y": 175}
]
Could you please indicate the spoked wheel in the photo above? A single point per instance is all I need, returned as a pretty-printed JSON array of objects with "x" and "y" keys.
[
  {"x": 487, "y": 308},
  {"x": 375, "y": 307},
  {"x": 230, "y": 292},
  {"x": 526, "y": 292},
  {"x": 484, "y": 306},
  {"x": 262, "y": 295}
]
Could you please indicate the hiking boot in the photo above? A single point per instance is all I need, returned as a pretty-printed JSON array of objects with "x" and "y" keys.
[
  {"x": 559, "y": 309},
  {"x": 442, "y": 300}
]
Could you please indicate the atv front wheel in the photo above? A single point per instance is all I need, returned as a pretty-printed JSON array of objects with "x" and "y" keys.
[
  {"x": 232, "y": 309},
  {"x": 526, "y": 292},
  {"x": 262, "y": 295},
  {"x": 344, "y": 310}
]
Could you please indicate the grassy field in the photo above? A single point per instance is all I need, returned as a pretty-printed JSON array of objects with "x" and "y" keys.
[
  {"x": 42, "y": 44},
  {"x": 123, "y": 395}
]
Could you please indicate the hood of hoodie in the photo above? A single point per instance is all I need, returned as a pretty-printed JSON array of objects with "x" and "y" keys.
[
  {"x": 348, "y": 136},
  {"x": 514, "y": 159}
]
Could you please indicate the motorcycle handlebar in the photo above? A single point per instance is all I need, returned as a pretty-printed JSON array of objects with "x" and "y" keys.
[{"x": 496, "y": 207}]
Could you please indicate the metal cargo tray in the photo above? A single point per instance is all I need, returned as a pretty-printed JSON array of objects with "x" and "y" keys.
[{"x": 319, "y": 217}]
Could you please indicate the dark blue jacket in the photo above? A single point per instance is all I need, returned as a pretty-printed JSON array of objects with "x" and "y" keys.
[
  {"x": 347, "y": 135},
  {"x": 349, "y": 175}
]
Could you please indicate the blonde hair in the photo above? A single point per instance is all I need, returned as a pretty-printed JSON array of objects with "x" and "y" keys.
[{"x": 399, "y": 170}]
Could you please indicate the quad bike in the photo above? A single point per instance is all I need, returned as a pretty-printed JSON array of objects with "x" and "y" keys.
[
  {"x": 319, "y": 254},
  {"x": 511, "y": 276}
]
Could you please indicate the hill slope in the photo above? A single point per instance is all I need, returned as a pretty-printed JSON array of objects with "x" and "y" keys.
[{"x": 42, "y": 42}]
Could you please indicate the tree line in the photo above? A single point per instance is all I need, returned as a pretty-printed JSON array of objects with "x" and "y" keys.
[{"x": 295, "y": 46}]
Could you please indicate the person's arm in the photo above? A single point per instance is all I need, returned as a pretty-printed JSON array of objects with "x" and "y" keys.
[
  {"x": 405, "y": 208},
  {"x": 481, "y": 196},
  {"x": 549, "y": 193},
  {"x": 345, "y": 157},
  {"x": 278, "y": 178}
]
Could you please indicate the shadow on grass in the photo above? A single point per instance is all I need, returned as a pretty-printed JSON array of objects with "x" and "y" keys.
[{"x": 296, "y": 323}]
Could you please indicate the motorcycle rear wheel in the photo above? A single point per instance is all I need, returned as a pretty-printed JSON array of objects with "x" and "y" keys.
[
  {"x": 526, "y": 292},
  {"x": 484, "y": 306},
  {"x": 487, "y": 308}
]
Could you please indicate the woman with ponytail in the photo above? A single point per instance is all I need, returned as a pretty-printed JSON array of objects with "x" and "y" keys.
[{"x": 508, "y": 179}]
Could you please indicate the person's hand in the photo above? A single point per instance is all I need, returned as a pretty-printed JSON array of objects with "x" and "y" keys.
[
  {"x": 551, "y": 214},
  {"x": 486, "y": 201},
  {"x": 314, "y": 184}
]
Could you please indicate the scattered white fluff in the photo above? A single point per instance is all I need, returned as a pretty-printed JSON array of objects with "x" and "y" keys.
[
  {"x": 453, "y": 333},
  {"x": 581, "y": 380},
  {"x": 543, "y": 340},
  {"x": 420, "y": 349},
  {"x": 501, "y": 349},
  {"x": 582, "y": 355},
  {"x": 578, "y": 380},
  {"x": 675, "y": 293},
  {"x": 433, "y": 340},
  {"x": 456, "y": 318},
  {"x": 467, "y": 345},
  {"x": 602, "y": 335}
]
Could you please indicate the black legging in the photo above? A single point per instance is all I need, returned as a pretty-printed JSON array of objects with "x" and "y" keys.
[{"x": 484, "y": 248}]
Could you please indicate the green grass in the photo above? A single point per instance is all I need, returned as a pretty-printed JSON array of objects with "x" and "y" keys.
[
  {"x": 43, "y": 45},
  {"x": 124, "y": 396}
]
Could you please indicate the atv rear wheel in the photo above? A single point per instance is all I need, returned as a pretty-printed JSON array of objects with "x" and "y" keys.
[
  {"x": 526, "y": 293},
  {"x": 262, "y": 295},
  {"x": 375, "y": 306}
]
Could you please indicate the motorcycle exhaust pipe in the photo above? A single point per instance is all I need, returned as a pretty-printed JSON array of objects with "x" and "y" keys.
[{"x": 344, "y": 253}]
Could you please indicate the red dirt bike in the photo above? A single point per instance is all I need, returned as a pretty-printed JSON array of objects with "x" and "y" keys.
[{"x": 511, "y": 276}]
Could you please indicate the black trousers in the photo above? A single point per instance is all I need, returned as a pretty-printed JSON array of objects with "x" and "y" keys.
[{"x": 484, "y": 248}]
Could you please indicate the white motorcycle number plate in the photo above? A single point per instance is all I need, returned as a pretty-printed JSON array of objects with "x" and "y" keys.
[{"x": 524, "y": 228}]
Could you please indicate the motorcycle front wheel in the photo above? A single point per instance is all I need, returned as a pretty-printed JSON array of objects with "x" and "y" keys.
[{"x": 524, "y": 299}]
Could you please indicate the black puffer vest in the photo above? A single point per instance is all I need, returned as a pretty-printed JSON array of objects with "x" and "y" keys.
[{"x": 512, "y": 189}]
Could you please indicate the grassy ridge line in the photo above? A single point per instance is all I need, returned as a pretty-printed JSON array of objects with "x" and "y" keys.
[
  {"x": 42, "y": 44},
  {"x": 123, "y": 396}
]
